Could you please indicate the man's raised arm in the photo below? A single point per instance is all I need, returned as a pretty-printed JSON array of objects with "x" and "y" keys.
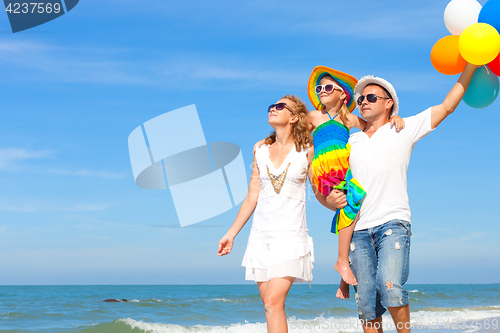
[{"x": 450, "y": 103}]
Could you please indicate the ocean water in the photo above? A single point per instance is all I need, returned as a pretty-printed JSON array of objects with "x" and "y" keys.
[{"x": 232, "y": 308}]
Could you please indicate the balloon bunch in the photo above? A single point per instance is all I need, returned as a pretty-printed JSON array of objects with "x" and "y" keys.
[{"x": 475, "y": 39}]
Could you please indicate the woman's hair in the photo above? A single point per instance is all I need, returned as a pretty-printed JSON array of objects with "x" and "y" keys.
[
  {"x": 300, "y": 131},
  {"x": 344, "y": 111}
]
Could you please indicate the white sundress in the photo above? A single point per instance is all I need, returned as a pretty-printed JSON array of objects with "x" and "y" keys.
[{"x": 278, "y": 244}]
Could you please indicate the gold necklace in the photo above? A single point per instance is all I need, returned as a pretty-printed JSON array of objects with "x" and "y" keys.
[{"x": 278, "y": 181}]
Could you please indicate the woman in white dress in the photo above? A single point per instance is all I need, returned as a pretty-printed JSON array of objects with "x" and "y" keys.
[{"x": 279, "y": 250}]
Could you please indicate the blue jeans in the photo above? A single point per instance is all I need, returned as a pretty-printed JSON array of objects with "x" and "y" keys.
[{"x": 380, "y": 259}]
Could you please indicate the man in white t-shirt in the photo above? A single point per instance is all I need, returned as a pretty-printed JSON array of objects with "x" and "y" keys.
[{"x": 380, "y": 246}]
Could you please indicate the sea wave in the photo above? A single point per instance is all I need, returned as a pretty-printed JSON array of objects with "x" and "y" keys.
[
  {"x": 466, "y": 319},
  {"x": 475, "y": 309},
  {"x": 416, "y": 291},
  {"x": 476, "y": 313},
  {"x": 16, "y": 315},
  {"x": 225, "y": 300}
]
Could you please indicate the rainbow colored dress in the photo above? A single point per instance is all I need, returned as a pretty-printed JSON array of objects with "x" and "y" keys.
[{"x": 331, "y": 170}]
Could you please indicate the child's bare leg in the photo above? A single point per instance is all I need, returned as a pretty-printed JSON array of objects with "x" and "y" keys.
[
  {"x": 343, "y": 291},
  {"x": 342, "y": 264}
]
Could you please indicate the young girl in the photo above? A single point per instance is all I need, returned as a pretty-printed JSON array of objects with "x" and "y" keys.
[
  {"x": 331, "y": 93},
  {"x": 279, "y": 250}
]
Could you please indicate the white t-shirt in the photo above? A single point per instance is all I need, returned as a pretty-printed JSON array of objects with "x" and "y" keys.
[{"x": 380, "y": 163}]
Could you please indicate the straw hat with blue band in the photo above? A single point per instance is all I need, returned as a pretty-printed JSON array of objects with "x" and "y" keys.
[{"x": 346, "y": 81}]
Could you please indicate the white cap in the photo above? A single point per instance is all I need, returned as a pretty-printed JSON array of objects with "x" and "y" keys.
[{"x": 366, "y": 80}]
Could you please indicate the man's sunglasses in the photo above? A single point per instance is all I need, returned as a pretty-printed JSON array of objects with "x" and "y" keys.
[
  {"x": 278, "y": 107},
  {"x": 372, "y": 98},
  {"x": 327, "y": 87}
]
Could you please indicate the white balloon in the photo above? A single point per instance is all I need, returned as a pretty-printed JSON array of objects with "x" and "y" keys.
[{"x": 459, "y": 14}]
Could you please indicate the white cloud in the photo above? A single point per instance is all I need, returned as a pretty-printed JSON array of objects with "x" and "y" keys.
[
  {"x": 41, "y": 206},
  {"x": 382, "y": 20},
  {"x": 119, "y": 258},
  {"x": 10, "y": 156},
  {"x": 21, "y": 46},
  {"x": 412, "y": 81},
  {"x": 107, "y": 66},
  {"x": 404, "y": 20},
  {"x": 88, "y": 173},
  {"x": 67, "y": 64},
  {"x": 11, "y": 160},
  {"x": 85, "y": 208},
  {"x": 169, "y": 68}
]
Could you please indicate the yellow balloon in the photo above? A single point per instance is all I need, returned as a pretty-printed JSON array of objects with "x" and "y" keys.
[{"x": 479, "y": 43}]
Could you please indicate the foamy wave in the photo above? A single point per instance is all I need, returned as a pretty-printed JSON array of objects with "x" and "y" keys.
[
  {"x": 462, "y": 319},
  {"x": 415, "y": 291},
  {"x": 476, "y": 309},
  {"x": 318, "y": 325},
  {"x": 456, "y": 318},
  {"x": 225, "y": 300},
  {"x": 324, "y": 325},
  {"x": 493, "y": 307},
  {"x": 468, "y": 320},
  {"x": 170, "y": 328}
]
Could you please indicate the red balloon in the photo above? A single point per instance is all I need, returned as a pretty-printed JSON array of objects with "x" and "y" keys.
[{"x": 495, "y": 65}]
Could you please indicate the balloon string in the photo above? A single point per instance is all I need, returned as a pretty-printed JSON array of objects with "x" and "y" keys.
[{"x": 487, "y": 69}]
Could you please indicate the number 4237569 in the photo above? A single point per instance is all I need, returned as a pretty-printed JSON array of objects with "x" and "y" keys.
[{"x": 33, "y": 7}]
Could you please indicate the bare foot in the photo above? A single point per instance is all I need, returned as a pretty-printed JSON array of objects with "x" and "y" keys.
[
  {"x": 343, "y": 291},
  {"x": 345, "y": 272}
]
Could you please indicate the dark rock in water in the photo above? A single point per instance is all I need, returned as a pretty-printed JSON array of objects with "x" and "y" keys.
[{"x": 115, "y": 300}]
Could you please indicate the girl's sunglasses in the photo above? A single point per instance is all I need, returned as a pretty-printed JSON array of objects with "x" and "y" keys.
[
  {"x": 327, "y": 87},
  {"x": 372, "y": 98},
  {"x": 278, "y": 107}
]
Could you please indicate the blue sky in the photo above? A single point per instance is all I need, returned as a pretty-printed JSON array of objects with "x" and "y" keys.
[{"x": 72, "y": 90}]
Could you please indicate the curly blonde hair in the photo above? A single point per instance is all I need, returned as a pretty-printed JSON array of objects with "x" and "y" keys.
[
  {"x": 344, "y": 111},
  {"x": 300, "y": 132}
]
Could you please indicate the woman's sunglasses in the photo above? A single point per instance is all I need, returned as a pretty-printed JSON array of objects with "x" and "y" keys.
[
  {"x": 372, "y": 98},
  {"x": 278, "y": 107},
  {"x": 327, "y": 87}
]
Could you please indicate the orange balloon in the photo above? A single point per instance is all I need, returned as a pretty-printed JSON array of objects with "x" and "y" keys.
[{"x": 445, "y": 56}]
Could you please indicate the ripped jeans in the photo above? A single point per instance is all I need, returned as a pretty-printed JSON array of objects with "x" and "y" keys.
[{"x": 380, "y": 259}]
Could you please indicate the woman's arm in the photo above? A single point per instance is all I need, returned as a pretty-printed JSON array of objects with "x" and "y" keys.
[
  {"x": 310, "y": 156},
  {"x": 246, "y": 210}
]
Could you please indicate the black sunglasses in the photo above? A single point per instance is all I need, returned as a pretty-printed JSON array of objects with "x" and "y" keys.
[
  {"x": 278, "y": 107},
  {"x": 372, "y": 98}
]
